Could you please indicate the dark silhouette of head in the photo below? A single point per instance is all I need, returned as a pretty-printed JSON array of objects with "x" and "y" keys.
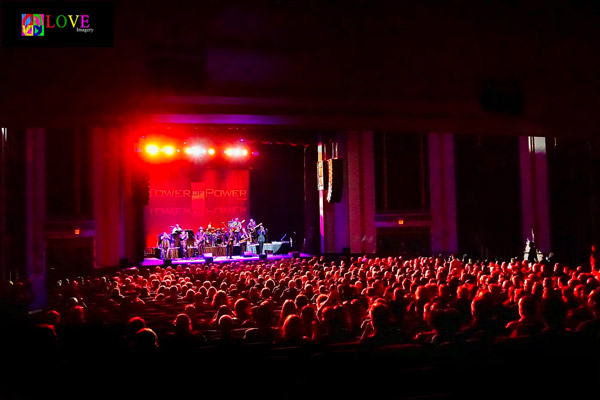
[
  {"x": 183, "y": 324},
  {"x": 554, "y": 312},
  {"x": 145, "y": 341},
  {"x": 380, "y": 317},
  {"x": 293, "y": 330}
]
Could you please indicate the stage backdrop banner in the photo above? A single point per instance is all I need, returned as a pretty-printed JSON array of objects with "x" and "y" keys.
[{"x": 194, "y": 197}]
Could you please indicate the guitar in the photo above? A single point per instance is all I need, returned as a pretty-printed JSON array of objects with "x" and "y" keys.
[{"x": 252, "y": 230}]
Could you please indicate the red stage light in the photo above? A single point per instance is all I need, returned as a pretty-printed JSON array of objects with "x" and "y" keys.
[
  {"x": 195, "y": 151},
  {"x": 236, "y": 152},
  {"x": 168, "y": 150},
  {"x": 152, "y": 149},
  {"x": 211, "y": 151}
]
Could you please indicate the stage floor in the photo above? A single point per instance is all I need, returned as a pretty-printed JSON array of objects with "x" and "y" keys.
[{"x": 149, "y": 262}]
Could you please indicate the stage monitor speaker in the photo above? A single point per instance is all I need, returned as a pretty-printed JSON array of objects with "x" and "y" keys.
[
  {"x": 247, "y": 254},
  {"x": 237, "y": 250},
  {"x": 208, "y": 258},
  {"x": 281, "y": 248},
  {"x": 167, "y": 262},
  {"x": 262, "y": 256},
  {"x": 295, "y": 254}
]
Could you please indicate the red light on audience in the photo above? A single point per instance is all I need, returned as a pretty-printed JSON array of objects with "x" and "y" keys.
[{"x": 152, "y": 149}]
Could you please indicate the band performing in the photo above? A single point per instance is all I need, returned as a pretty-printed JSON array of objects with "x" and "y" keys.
[{"x": 218, "y": 241}]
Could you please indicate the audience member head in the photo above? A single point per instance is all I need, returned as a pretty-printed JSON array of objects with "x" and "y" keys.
[
  {"x": 263, "y": 316},
  {"x": 380, "y": 317},
  {"x": 183, "y": 324},
  {"x": 145, "y": 341},
  {"x": 134, "y": 325},
  {"x": 293, "y": 330},
  {"x": 226, "y": 325},
  {"x": 527, "y": 307},
  {"x": 301, "y": 301},
  {"x": 288, "y": 308},
  {"x": 220, "y": 298},
  {"x": 53, "y": 318},
  {"x": 594, "y": 302},
  {"x": 553, "y": 312}
]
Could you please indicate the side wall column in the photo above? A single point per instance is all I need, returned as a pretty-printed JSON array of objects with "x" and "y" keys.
[
  {"x": 442, "y": 186},
  {"x": 361, "y": 192},
  {"x": 534, "y": 191},
  {"x": 35, "y": 213},
  {"x": 106, "y": 196}
]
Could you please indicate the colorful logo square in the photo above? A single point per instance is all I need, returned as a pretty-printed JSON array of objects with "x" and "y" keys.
[{"x": 32, "y": 24}]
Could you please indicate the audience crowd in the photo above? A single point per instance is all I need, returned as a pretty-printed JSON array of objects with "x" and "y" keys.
[{"x": 359, "y": 305}]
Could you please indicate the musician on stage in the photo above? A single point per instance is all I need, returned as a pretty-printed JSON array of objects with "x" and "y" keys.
[
  {"x": 176, "y": 233},
  {"x": 211, "y": 236},
  {"x": 261, "y": 239},
  {"x": 245, "y": 239},
  {"x": 165, "y": 242},
  {"x": 236, "y": 228},
  {"x": 176, "y": 229},
  {"x": 201, "y": 239},
  {"x": 251, "y": 228},
  {"x": 190, "y": 243},
  {"x": 230, "y": 241}
]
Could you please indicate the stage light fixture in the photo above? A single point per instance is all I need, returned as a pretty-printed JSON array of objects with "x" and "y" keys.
[
  {"x": 236, "y": 152},
  {"x": 152, "y": 149},
  {"x": 195, "y": 151},
  {"x": 211, "y": 151},
  {"x": 168, "y": 150}
]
